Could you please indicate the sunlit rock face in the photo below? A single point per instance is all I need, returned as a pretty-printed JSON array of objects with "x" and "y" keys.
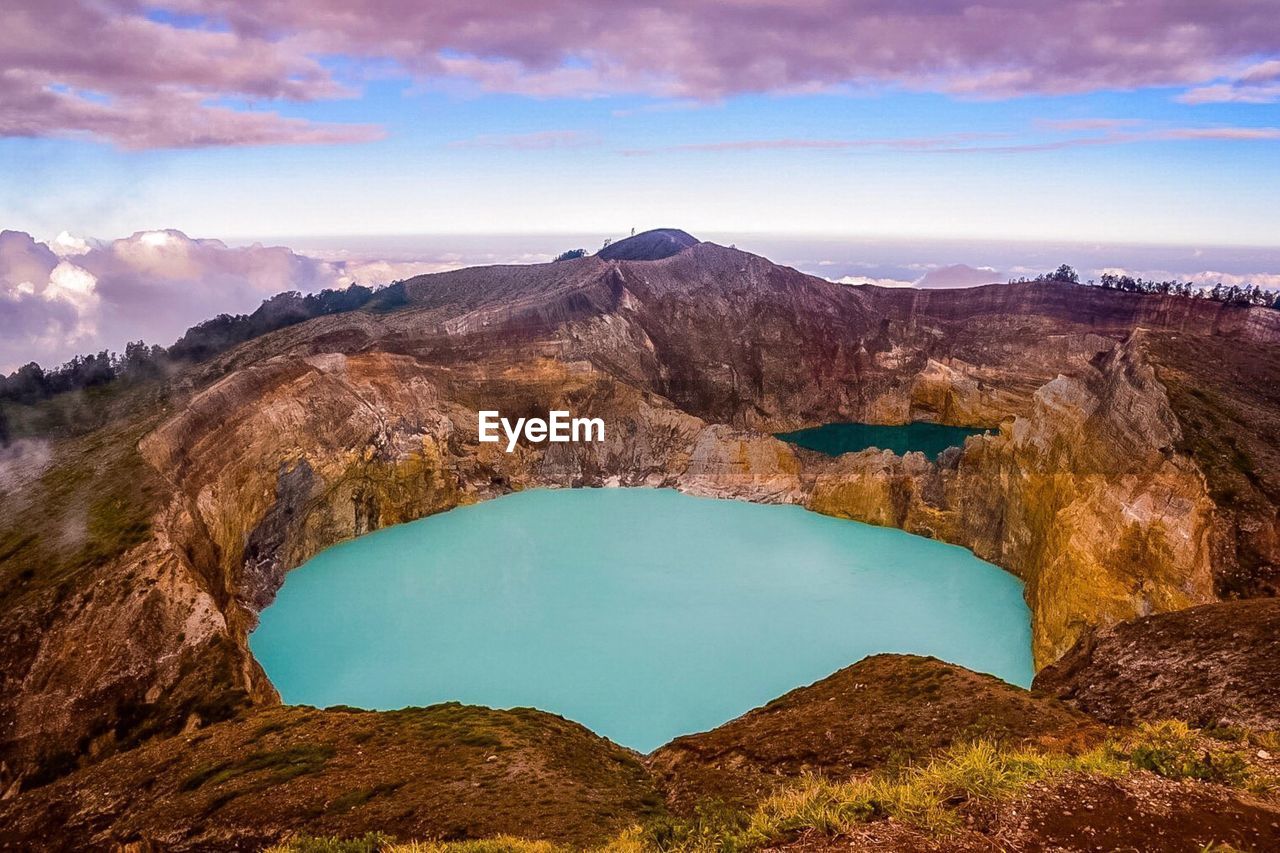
[
  {"x": 1091, "y": 490},
  {"x": 1084, "y": 498}
]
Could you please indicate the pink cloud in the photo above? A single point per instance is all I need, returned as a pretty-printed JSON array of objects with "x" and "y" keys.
[
  {"x": 1259, "y": 84},
  {"x": 160, "y": 120},
  {"x": 907, "y": 143},
  {"x": 954, "y": 143},
  {"x": 103, "y": 68},
  {"x": 106, "y": 71},
  {"x": 878, "y": 282},
  {"x": 529, "y": 141},
  {"x": 1231, "y": 133},
  {"x": 936, "y": 278},
  {"x": 1069, "y": 124}
]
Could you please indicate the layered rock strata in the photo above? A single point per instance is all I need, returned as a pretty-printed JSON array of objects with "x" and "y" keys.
[{"x": 1091, "y": 488}]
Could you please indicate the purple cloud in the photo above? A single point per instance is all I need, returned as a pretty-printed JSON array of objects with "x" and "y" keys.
[
  {"x": 44, "y": 303},
  {"x": 166, "y": 120},
  {"x": 106, "y": 69}
]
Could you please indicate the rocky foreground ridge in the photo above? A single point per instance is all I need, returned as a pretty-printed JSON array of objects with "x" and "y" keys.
[
  {"x": 963, "y": 762},
  {"x": 1131, "y": 471}
]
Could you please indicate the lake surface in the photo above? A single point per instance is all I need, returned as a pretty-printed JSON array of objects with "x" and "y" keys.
[
  {"x": 641, "y": 613},
  {"x": 834, "y": 439}
]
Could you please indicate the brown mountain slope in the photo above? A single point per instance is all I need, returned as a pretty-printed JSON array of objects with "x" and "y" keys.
[
  {"x": 1213, "y": 666},
  {"x": 885, "y": 708},
  {"x": 453, "y": 773},
  {"x": 448, "y": 771},
  {"x": 1094, "y": 491}
]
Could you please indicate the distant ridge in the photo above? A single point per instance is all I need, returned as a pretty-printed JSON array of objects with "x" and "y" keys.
[{"x": 649, "y": 246}]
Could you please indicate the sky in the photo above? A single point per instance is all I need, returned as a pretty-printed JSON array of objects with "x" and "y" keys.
[{"x": 1132, "y": 133}]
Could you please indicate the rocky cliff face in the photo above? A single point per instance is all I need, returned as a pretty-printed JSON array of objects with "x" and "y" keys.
[
  {"x": 1084, "y": 498},
  {"x": 323, "y": 431}
]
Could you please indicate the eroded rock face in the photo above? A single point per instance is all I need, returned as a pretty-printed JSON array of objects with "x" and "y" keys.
[
  {"x": 319, "y": 432},
  {"x": 1084, "y": 498},
  {"x": 1227, "y": 400},
  {"x": 1211, "y": 666}
]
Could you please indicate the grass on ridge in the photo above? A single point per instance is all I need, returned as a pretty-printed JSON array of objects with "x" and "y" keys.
[
  {"x": 926, "y": 795},
  {"x": 929, "y": 796}
]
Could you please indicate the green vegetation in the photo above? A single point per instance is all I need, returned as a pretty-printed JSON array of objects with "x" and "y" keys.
[
  {"x": 360, "y": 796},
  {"x": 926, "y": 796},
  {"x": 77, "y": 396},
  {"x": 500, "y": 844},
  {"x": 269, "y": 728},
  {"x": 1241, "y": 295},
  {"x": 31, "y": 383},
  {"x": 713, "y": 825},
  {"x": 377, "y": 843},
  {"x": 94, "y": 501},
  {"x": 473, "y": 726},
  {"x": 1173, "y": 749},
  {"x": 373, "y": 842},
  {"x": 281, "y": 765}
]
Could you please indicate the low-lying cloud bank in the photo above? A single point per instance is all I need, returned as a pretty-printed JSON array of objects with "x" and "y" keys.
[
  {"x": 941, "y": 277},
  {"x": 935, "y": 278},
  {"x": 70, "y": 296}
]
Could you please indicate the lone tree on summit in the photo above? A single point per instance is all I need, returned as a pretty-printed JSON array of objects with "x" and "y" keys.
[{"x": 1065, "y": 274}]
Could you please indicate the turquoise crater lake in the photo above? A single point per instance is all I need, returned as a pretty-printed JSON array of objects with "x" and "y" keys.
[
  {"x": 834, "y": 439},
  {"x": 643, "y": 614}
]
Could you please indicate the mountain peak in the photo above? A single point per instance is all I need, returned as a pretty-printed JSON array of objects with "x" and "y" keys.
[{"x": 649, "y": 245}]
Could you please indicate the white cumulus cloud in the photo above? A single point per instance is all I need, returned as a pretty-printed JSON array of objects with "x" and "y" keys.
[{"x": 73, "y": 295}]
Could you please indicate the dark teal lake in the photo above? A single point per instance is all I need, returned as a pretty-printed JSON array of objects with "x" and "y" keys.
[
  {"x": 641, "y": 613},
  {"x": 834, "y": 439}
]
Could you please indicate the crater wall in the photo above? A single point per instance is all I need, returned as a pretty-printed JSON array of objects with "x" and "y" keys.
[{"x": 1088, "y": 489}]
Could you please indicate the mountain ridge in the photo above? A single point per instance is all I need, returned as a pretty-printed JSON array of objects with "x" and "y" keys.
[{"x": 235, "y": 470}]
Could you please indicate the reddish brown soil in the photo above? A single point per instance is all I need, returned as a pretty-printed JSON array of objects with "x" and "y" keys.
[
  {"x": 1136, "y": 814},
  {"x": 1143, "y": 813},
  {"x": 886, "y": 708},
  {"x": 448, "y": 771}
]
